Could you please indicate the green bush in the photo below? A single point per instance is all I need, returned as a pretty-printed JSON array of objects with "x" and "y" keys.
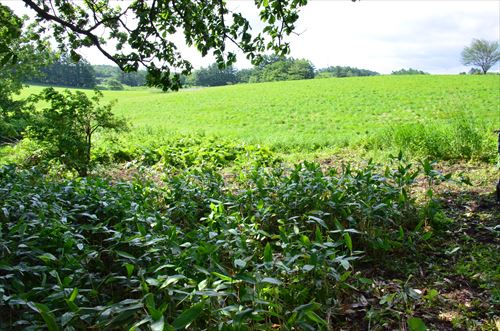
[{"x": 67, "y": 126}]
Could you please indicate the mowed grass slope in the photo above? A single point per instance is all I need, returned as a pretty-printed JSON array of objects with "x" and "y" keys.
[{"x": 309, "y": 114}]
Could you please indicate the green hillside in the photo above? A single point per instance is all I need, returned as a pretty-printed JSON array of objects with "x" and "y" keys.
[{"x": 302, "y": 116}]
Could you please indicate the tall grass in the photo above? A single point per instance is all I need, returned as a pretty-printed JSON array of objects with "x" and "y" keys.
[{"x": 462, "y": 137}]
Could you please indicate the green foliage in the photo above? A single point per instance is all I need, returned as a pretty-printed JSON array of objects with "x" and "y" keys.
[
  {"x": 144, "y": 37},
  {"x": 270, "y": 69},
  {"x": 302, "y": 118},
  {"x": 244, "y": 75},
  {"x": 113, "y": 84},
  {"x": 20, "y": 58},
  {"x": 339, "y": 71},
  {"x": 66, "y": 72},
  {"x": 282, "y": 68},
  {"x": 465, "y": 137},
  {"x": 409, "y": 71},
  {"x": 66, "y": 127},
  {"x": 416, "y": 324},
  {"x": 267, "y": 250},
  {"x": 106, "y": 72},
  {"x": 182, "y": 152},
  {"x": 481, "y": 53},
  {"x": 10, "y": 32},
  {"x": 137, "y": 78},
  {"x": 214, "y": 76}
]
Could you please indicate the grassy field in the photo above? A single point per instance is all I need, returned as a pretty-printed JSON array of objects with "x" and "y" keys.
[{"x": 310, "y": 115}]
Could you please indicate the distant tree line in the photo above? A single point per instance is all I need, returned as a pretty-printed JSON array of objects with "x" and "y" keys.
[
  {"x": 272, "y": 68},
  {"x": 410, "y": 71},
  {"x": 339, "y": 71},
  {"x": 111, "y": 77},
  {"x": 64, "y": 71}
]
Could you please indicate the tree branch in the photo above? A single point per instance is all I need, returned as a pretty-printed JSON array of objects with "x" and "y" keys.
[{"x": 95, "y": 40}]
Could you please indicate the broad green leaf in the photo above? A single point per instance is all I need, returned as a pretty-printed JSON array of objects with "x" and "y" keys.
[
  {"x": 171, "y": 280},
  {"x": 315, "y": 318},
  {"x": 203, "y": 284},
  {"x": 271, "y": 280},
  {"x": 73, "y": 295},
  {"x": 46, "y": 257},
  {"x": 130, "y": 269},
  {"x": 239, "y": 263},
  {"x": 348, "y": 241},
  {"x": 125, "y": 255},
  {"x": 47, "y": 316},
  {"x": 307, "y": 267},
  {"x": 141, "y": 322},
  {"x": 268, "y": 254},
  {"x": 66, "y": 318},
  {"x": 158, "y": 325},
  {"x": 221, "y": 276},
  {"x": 416, "y": 324},
  {"x": 318, "y": 220},
  {"x": 305, "y": 240},
  {"x": 188, "y": 316}
]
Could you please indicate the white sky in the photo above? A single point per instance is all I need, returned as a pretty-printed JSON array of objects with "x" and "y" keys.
[{"x": 373, "y": 34}]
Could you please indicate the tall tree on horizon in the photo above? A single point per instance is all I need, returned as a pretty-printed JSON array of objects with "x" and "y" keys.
[{"x": 481, "y": 53}]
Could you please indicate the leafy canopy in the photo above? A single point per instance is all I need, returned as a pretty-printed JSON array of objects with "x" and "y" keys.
[
  {"x": 142, "y": 31},
  {"x": 481, "y": 53},
  {"x": 22, "y": 53}
]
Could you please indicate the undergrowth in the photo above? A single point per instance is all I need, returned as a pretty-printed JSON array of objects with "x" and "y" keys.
[
  {"x": 462, "y": 138},
  {"x": 271, "y": 248}
]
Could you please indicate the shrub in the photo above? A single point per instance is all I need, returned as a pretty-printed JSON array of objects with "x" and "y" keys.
[
  {"x": 67, "y": 126},
  {"x": 113, "y": 84}
]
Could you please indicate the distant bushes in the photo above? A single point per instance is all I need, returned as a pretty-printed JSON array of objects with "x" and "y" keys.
[
  {"x": 339, "y": 71},
  {"x": 279, "y": 69},
  {"x": 106, "y": 73},
  {"x": 410, "y": 71},
  {"x": 213, "y": 76},
  {"x": 111, "y": 84}
]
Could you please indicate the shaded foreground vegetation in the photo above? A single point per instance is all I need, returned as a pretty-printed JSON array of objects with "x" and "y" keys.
[{"x": 254, "y": 248}]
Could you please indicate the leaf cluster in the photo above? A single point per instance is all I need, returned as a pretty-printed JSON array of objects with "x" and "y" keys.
[{"x": 142, "y": 32}]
